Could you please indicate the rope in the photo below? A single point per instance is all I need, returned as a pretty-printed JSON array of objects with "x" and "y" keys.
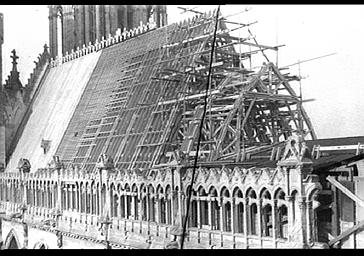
[{"x": 200, "y": 128}]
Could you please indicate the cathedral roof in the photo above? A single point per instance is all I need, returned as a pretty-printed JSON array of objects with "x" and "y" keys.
[{"x": 140, "y": 101}]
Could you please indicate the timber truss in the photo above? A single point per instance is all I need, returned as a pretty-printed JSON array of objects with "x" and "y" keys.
[
  {"x": 156, "y": 103},
  {"x": 249, "y": 114}
]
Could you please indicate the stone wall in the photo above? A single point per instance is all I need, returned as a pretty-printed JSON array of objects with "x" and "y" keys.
[{"x": 247, "y": 208}]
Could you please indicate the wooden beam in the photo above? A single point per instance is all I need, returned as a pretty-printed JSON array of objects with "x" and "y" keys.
[
  {"x": 346, "y": 233},
  {"x": 346, "y": 191}
]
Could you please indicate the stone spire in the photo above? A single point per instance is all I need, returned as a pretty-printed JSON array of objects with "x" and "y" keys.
[
  {"x": 14, "y": 57},
  {"x": 13, "y": 81}
]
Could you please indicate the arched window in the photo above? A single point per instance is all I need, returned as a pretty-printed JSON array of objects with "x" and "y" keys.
[
  {"x": 88, "y": 199},
  {"x": 135, "y": 200},
  {"x": 128, "y": 201},
  {"x": 162, "y": 205},
  {"x": 168, "y": 196},
  {"x": 282, "y": 221},
  {"x": 97, "y": 199},
  {"x": 39, "y": 197},
  {"x": 15, "y": 192},
  {"x": 13, "y": 244},
  {"x": 122, "y": 205},
  {"x": 193, "y": 208},
  {"x": 113, "y": 201},
  {"x": 267, "y": 226},
  {"x": 227, "y": 210},
  {"x": 151, "y": 202},
  {"x": 253, "y": 213},
  {"x": 103, "y": 197},
  {"x": 239, "y": 211},
  {"x": 204, "y": 207},
  {"x": 29, "y": 201},
  {"x": 175, "y": 202},
  {"x": 296, "y": 208},
  {"x": 144, "y": 203},
  {"x": 55, "y": 192},
  {"x": 215, "y": 209},
  {"x": 266, "y": 216},
  {"x": 11, "y": 241},
  {"x": 162, "y": 210},
  {"x": 282, "y": 214},
  {"x": 50, "y": 199},
  {"x": 69, "y": 202},
  {"x": 253, "y": 219},
  {"x": 83, "y": 198},
  {"x": 94, "y": 192},
  {"x": 114, "y": 211},
  {"x": 74, "y": 198},
  {"x": 77, "y": 195}
]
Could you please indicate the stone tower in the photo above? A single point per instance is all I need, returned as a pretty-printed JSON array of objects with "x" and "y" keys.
[{"x": 72, "y": 26}]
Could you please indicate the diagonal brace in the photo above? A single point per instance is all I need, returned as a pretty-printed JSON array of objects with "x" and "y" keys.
[{"x": 346, "y": 191}]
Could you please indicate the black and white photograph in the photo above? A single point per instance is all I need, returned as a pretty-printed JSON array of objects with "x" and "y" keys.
[{"x": 232, "y": 126}]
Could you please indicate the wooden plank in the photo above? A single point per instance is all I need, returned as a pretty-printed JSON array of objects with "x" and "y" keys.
[
  {"x": 346, "y": 191},
  {"x": 346, "y": 233}
]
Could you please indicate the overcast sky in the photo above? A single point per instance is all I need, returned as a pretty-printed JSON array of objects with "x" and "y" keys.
[{"x": 336, "y": 82}]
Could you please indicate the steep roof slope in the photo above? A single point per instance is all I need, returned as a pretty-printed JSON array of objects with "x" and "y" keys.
[
  {"x": 145, "y": 98},
  {"x": 119, "y": 113},
  {"x": 52, "y": 110},
  {"x": 141, "y": 101}
]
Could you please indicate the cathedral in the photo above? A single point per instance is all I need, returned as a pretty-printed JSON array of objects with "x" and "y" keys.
[{"x": 135, "y": 134}]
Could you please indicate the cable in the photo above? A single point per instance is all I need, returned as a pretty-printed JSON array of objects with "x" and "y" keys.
[{"x": 200, "y": 128}]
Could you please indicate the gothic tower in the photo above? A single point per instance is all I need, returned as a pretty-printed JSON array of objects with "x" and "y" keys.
[{"x": 72, "y": 26}]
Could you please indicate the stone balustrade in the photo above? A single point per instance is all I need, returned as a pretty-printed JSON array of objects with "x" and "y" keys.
[
  {"x": 103, "y": 43},
  {"x": 230, "y": 207}
]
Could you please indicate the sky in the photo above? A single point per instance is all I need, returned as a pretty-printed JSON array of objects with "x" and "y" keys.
[{"x": 307, "y": 31}]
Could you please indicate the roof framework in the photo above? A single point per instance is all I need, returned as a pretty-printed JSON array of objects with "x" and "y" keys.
[{"x": 152, "y": 115}]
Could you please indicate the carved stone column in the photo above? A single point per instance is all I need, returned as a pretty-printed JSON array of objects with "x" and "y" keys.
[
  {"x": 105, "y": 165},
  {"x": 85, "y": 202},
  {"x": 132, "y": 207},
  {"x": 221, "y": 214},
  {"x": 157, "y": 208},
  {"x": 180, "y": 207},
  {"x": 245, "y": 220},
  {"x": 80, "y": 191},
  {"x": 199, "y": 225},
  {"x": 119, "y": 206},
  {"x": 147, "y": 198},
  {"x": 259, "y": 229},
  {"x": 233, "y": 214},
  {"x": 290, "y": 210},
  {"x": 274, "y": 222},
  {"x": 172, "y": 197},
  {"x": 57, "y": 166},
  {"x": 209, "y": 202},
  {"x": 66, "y": 193},
  {"x": 77, "y": 198},
  {"x": 24, "y": 168},
  {"x": 71, "y": 198},
  {"x": 302, "y": 206},
  {"x": 309, "y": 221},
  {"x": 125, "y": 206}
]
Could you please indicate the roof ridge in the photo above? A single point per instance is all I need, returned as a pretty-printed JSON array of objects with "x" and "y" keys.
[{"x": 119, "y": 37}]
